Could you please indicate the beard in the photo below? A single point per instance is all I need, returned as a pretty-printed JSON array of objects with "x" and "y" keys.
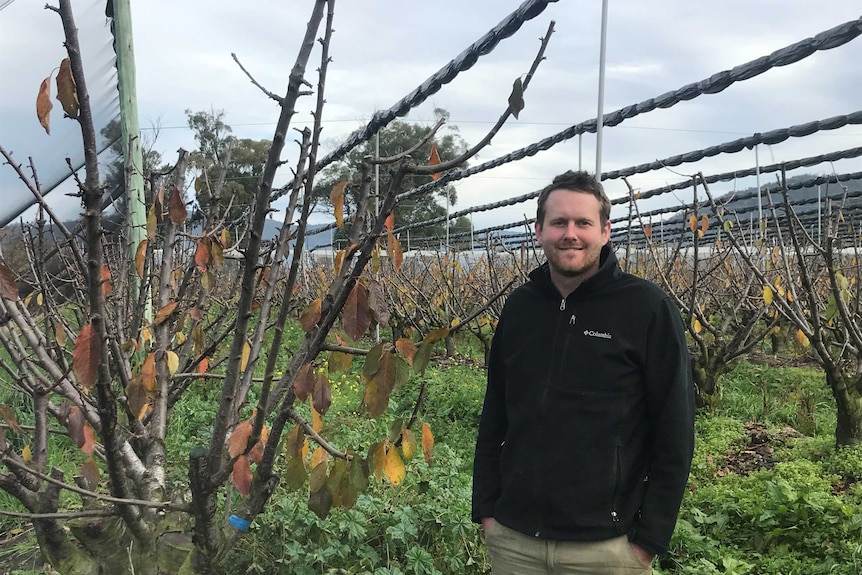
[{"x": 573, "y": 264}]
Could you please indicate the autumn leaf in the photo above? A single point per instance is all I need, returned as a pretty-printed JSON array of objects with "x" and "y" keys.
[
  {"x": 86, "y": 355},
  {"x": 310, "y": 315},
  {"x": 316, "y": 420},
  {"x": 242, "y": 475},
  {"x": 389, "y": 222},
  {"x": 427, "y": 443},
  {"x": 394, "y": 467},
  {"x": 433, "y": 160},
  {"x": 695, "y": 325},
  {"x": 422, "y": 357},
  {"x": 198, "y": 339},
  {"x": 377, "y": 455},
  {"x": 394, "y": 250},
  {"x": 436, "y": 335},
  {"x": 106, "y": 281},
  {"x": 67, "y": 95},
  {"x": 339, "y": 361},
  {"x": 173, "y": 361},
  {"x": 321, "y": 397},
  {"x": 293, "y": 442},
  {"x": 90, "y": 471},
  {"x": 217, "y": 255},
  {"x": 303, "y": 385},
  {"x": 89, "y": 444},
  {"x": 9, "y": 417},
  {"x": 26, "y": 454},
  {"x": 151, "y": 223},
  {"x": 380, "y": 385},
  {"x": 202, "y": 254},
  {"x": 406, "y": 348},
  {"x": 202, "y": 366},
  {"x": 75, "y": 422},
  {"x": 648, "y": 231},
  {"x": 140, "y": 256},
  {"x": 246, "y": 354},
  {"x": 377, "y": 303},
  {"x": 356, "y": 315},
  {"x": 336, "y": 197},
  {"x": 767, "y": 295},
  {"x": 8, "y": 287},
  {"x": 176, "y": 208},
  {"x": 802, "y": 339},
  {"x": 319, "y": 456},
  {"x": 704, "y": 223},
  {"x": 148, "y": 373},
  {"x": 137, "y": 398},
  {"x": 339, "y": 261},
  {"x": 44, "y": 105},
  {"x": 408, "y": 444},
  {"x": 239, "y": 438},
  {"x": 163, "y": 314}
]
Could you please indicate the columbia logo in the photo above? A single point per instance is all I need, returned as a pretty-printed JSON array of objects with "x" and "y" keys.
[{"x": 601, "y": 334}]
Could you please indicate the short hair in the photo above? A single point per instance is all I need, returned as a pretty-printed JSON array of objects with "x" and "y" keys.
[{"x": 576, "y": 182}]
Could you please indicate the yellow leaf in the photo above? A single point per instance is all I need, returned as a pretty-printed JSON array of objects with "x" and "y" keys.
[
  {"x": 408, "y": 444},
  {"x": 695, "y": 325},
  {"x": 427, "y": 442},
  {"x": 802, "y": 338},
  {"x": 146, "y": 336},
  {"x": 692, "y": 222},
  {"x": 179, "y": 338},
  {"x": 246, "y": 353},
  {"x": 67, "y": 95},
  {"x": 173, "y": 362},
  {"x": 767, "y": 295},
  {"x": 26, "y": 455},
  {"x": 140, "y": 255},
  {"x": 336, "y": 197},
  {"x": 704, "y": 223},
  {"x": 394, "y": 467},
  {"x": 316, "y": 420}
]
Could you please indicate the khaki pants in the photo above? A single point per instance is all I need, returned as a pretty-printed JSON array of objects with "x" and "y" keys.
[{"x": 513, "y": 553}]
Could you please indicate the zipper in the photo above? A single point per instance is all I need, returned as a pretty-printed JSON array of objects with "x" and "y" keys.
[{"x": 563, "y": 304}]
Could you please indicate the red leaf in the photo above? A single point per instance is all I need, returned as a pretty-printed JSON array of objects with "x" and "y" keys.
[
  {"x": 90, "y": 471},
  {"x": 202, "y": 254},
  {"x": 106, "y": 281},
  {"x": 406, "y": 348},
  {"x": 303, "y": 385},
  {"x": 86, "y": 355},
  {"x": 310, "y": 315},
  {"x": 89, "y": 444},
  {"x": 242, "y": 475},
  {"x": 321, "y": 397},
  {"x": 389, "y": 222},
  {"x": 356, "y": 315},
  {"x": 75, "y": 426}
]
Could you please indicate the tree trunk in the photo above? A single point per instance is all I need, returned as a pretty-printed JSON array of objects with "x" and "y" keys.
[{"x": 848, "y": 401}]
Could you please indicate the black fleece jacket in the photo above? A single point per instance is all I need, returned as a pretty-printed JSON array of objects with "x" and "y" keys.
[{"x": 587, "y": 429}]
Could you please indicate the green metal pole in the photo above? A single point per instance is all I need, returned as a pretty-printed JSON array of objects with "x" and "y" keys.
[{"x": 136, "y": 205}]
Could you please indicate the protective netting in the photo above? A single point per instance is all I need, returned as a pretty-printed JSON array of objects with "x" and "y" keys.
[{"x": 35, "y": 36}]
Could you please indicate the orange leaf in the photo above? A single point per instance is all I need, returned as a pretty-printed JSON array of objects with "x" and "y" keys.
[
  {"x": 310, "y": 315},
  {"x": 67, "y": 95},
  {"x": 44, "y": 105},
  {"x": 395, "y": 251},
  {"x": 316, "y": 420},
  {"x": 434, "y": 159},
  {"x": 648, "y": 230},
  {"x": 406, "y": 348},
  {"x": 704, "y": 223},
  {"x": 163, "y": 314},
  {"x": 89, "y": 440},
  {"x": 427, "y": 442},
  {"x": 436, "y": 335},
  {"x": 394, "y": 467},
  {"x": 336, "y": 196},
  {"x": 106, "y": 281},
  {"x": 356, "y": 315},
  {"x": 389, "y": 222},
  {"x": 86, "y": 355},
  {"x": 202, "y": 254},
  {"x": 239, "y": 439},
  {"x": 148, "y": 373},
  {"x": 137, "y": 398},
  {"x": 8, "y": 416},
  {"x": 176, "y": 208},
  {"x": 202, "y": 366},
  {"x": 8, "y": 287},
  {"x": 319, "y": 456},
  {"x": 692, "y": 222},
  {"x": 140, "y": 256},
  {"x": 242, "y": 475}
]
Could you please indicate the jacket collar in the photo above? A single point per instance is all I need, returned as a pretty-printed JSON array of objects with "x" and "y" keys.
[{"x": 609, "y": 270}]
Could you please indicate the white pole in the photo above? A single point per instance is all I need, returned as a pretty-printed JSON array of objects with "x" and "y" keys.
[
  {"x": 447, "y": 221},
  {"x": 580, "y": 151},
  {"x": 819, "y": 215},
  {"x": 601, "y": 113}
]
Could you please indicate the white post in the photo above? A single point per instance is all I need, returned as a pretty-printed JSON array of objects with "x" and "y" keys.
[
  {"x": 601, "y": 113},
  {"x": 759, "y": 199},
  {"x": 819, "y": 215},
  {"x": 580, "y": 151}
]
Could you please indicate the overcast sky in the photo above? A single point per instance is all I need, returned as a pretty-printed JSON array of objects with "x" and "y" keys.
[{"x": 382, "y": 49}]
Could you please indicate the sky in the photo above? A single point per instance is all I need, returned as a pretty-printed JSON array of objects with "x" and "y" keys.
[{"x": 382, "y": 49}]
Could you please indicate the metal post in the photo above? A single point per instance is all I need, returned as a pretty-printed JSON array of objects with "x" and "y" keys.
[
  {"x": 377, "y": 207},
  {"x": 580, "y": 151},
  {"x": 600, "y": 120},
  {"x": 447, "y": 221},
  {"x": 759, "y": 199},
  {"x": 819, "y": 215},
  {"x": 136, "y": 205}
]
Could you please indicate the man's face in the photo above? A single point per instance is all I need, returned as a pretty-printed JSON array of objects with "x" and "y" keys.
[{"x": 572, "y": 234}]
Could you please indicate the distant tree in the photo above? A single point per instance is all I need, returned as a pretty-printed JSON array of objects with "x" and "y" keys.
[
  {"x": 115, "y": 170},
  {"x": 396, "y": 138},
  {"x": 228, "y": 169}
]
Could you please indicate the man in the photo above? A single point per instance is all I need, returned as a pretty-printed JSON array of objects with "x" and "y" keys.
[{"x": 587, "y": 429}]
